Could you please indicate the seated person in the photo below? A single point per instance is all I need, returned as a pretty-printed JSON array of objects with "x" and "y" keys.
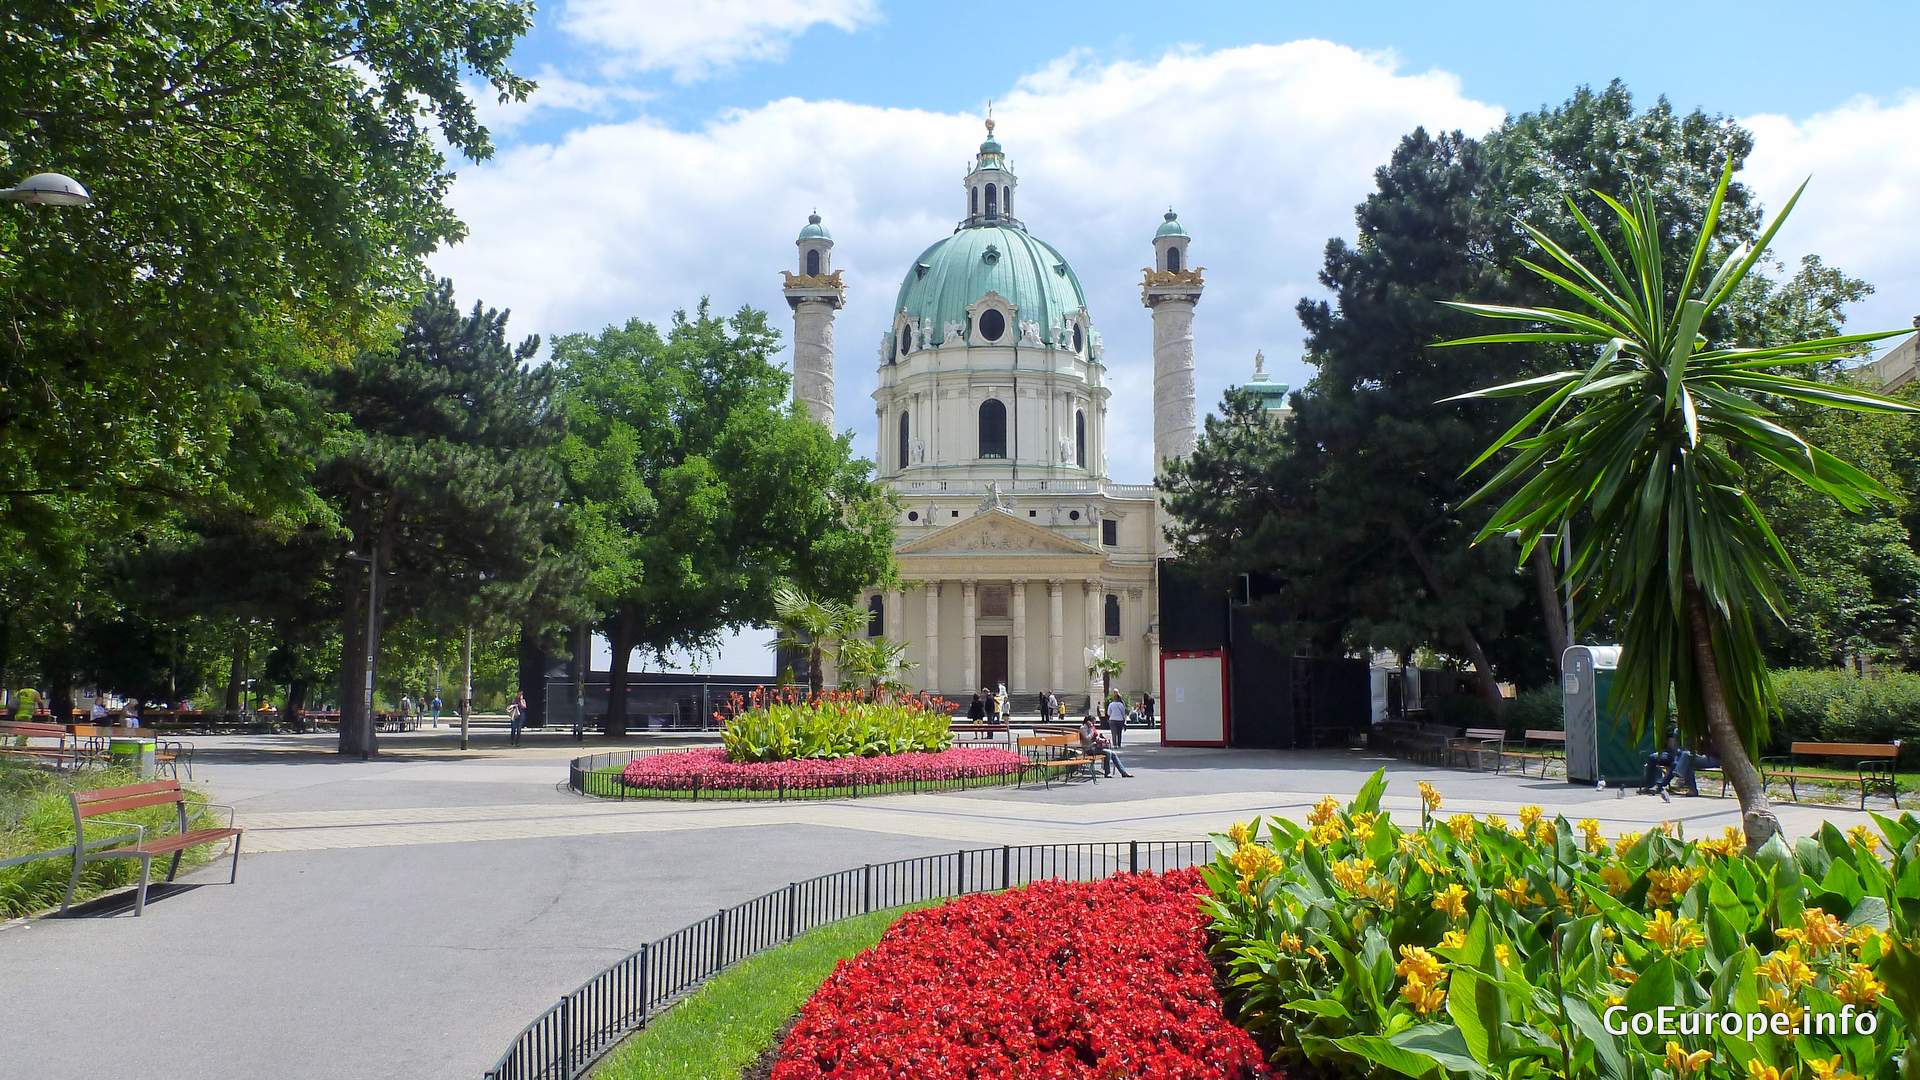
[
  {"x": 1685, "y": 763},
  {"x": 1674, "y": 768},
  {"x": 1660, "y": 766},
  {"x": 1093, "y": 744}
]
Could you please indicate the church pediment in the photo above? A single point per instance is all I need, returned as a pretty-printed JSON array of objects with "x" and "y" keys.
[{"x": 994, "y": 532}]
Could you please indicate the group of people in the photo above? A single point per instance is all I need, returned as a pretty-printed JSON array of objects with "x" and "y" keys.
[
  {"x": 990, "y": 705},
  {"x": 417, "y": 708}
]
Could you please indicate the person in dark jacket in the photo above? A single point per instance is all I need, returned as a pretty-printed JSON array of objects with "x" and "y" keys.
[{"x": 977, "y": 709}]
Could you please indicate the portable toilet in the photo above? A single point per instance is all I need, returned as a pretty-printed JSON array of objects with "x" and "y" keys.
[{"x": 1601, "y": 747}]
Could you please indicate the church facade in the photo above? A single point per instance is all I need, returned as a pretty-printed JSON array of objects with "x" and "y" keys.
[{"x": 1017, "y": 553}]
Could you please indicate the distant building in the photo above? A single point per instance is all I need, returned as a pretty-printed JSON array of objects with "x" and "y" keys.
[
  {"x": 1899, "y": 367},
  {"x": 1273, "y": 395}
]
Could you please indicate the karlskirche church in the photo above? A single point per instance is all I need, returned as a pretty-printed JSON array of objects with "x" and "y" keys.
[{"x": 1018, "y": 553}]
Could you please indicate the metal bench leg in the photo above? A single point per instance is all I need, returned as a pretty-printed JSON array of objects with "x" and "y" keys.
[
  {"x": 140, "y": 898},
  {"x": 234, "y": 874},
  {"x": 73, "y": 882},
  {"x": 173, "y": 867}
]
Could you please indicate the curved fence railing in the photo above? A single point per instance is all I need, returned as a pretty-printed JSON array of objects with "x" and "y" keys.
[
  {"x": 599, "y": 775},
  {"x": 563, "y": 1042}
]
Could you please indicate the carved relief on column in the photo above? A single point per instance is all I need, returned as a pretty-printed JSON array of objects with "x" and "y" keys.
[
  {"x": 1017, "y": 663},
  {"x": 931, "y": 679},
  {"x": 969, "y": 648},
  {"x": 1056, "y": 636}
]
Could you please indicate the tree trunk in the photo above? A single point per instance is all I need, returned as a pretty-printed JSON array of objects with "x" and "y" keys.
[
  {"x": 620, "y": 636},
  {"x": 233, "y": 679},
  {"x": 532, "y": 669},
  {"x": 295, "y": 713},
  {"x": 1462, "y": 633},
  {"x": 1550, "y": 609},
  {"x": 1756, "y": 810},
  {"x": 353, "y": 661},
  {"x": 816, "y": 668}
]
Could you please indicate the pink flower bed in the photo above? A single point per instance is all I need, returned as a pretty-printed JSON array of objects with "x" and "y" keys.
[{"x": 709, "y": 768}]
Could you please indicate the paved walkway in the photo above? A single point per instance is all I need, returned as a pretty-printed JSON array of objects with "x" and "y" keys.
[{"x": 404, "y": 917}]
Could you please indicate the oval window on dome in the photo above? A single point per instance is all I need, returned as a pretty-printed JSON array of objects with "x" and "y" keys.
[
  {"x": 992, "y": 324},
  {"x": 1079, "y": 340},
  {"x": 906, "y": 339}
]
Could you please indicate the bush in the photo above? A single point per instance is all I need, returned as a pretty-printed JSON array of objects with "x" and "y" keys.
[
  {"x": 1540, "y": 709},
  {"x": 36, "y": 816},
  {"x": 1065, "y": 980},
  {"x": 1839, "y": 706},
  {"x": 1482, "y": 948},
  {"x": 784, "y": 725}
]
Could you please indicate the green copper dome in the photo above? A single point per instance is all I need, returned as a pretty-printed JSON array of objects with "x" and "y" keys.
[
  {"x": 952, "y": 275},
  {"x": 813, "y": 230},
  {"x": 1170, "y": 227}
]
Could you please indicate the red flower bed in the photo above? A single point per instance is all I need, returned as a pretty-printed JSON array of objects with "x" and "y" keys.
[
  {"x": 1055, "y": 981},
  {"x": 709, "y": 767}
]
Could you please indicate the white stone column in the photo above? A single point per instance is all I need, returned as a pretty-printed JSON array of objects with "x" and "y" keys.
[
  {"x": 896, "y": 617},
  {"x": 932, "y": 680},
  {"x": 1095, "y": 636},
  {"x": 969, "y": 646},
  {"x": 1173, "y": 395},
  {"x": 1056, "y": 637},
  {"x": 813, "y": 357},
  {"x": 1017, "y": 663}
]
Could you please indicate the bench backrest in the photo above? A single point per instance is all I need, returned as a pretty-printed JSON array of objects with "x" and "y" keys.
[
  {"x": 1049, "y": 740},
  {"x": 1486, "y": 733},
  {"x": 1537, "y": 735},
  {"x": 116, "y": 800},
  {"x": 1847, "y": 749},
  {"x": 33, "y": 731}
]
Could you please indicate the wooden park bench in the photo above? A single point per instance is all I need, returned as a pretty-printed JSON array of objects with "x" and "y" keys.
[
  {"x": 167, "y": 753},
  {"x": 1058, "y": 755},
  {"x": 1873, "y": 768},
  {"x": 1415, "y": 740},
  {"x": 94, "y": 804},
  {"x": 1545, "y": 747},
  {"x": 982, "y": 730},
  {"x": 47, "y": 744},
  {"x": 1474, "y": 747}
]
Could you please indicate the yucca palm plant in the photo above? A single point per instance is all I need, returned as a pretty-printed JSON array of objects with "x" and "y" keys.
[
  {"x": 873, "y": 663},
  {"x": 1104, "y": 666},
  {"x": 814, "y": 625},
  {"x": 1654, "y": 443}
]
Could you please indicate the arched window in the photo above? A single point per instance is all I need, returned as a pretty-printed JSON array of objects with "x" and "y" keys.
[
  {"x": 1079, "y": 338},
  {"x": 876, "y": 616},
  {"x": 1113, "y": 615},
  {"x": 813, "y": 263},
  {"x": 973, "y": 200},
  {"x": 903, "y": 441},
  {"x": 992, "y": 324},
  {"x": 1007, "y": 199},
  {"x": 990, "y": 201},
  {"x": 906, "y": 339},
  {"x": 993, "y": 429},
  {"x": 1173, "y": 258},
  {"x": 1080, "y": 438}
]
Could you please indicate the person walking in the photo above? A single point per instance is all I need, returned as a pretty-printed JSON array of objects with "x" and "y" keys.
[
  {"x": 1049, "y": 706},
  {"x": 1117, "y": 720},
  {"x": 1146, "y": 707},
  {"x": 406, "y": 711},
  {"x": 436, "y": 709},
  {"x": 516, "y": 717}
]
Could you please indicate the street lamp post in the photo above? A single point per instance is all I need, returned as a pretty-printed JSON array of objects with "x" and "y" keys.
[{"x": 47, "y": 189}]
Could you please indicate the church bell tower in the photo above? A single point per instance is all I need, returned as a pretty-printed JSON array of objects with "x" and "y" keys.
[{"x": 815, "y": 292}]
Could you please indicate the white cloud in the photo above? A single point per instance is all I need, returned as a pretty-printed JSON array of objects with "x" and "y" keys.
[
  {"x": 553, "y": 92},
  {"x": 693, "y": 40},
  {"x": 1861, "y": 209}
]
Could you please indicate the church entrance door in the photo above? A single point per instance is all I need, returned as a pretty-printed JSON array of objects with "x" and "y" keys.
[{"x": 993, "y": 659}]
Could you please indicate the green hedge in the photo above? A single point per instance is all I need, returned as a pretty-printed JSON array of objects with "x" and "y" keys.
[{"x": 1838, "y": 706}]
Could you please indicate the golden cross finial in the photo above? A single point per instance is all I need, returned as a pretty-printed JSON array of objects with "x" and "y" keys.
[{"x": 989, "y": 118}]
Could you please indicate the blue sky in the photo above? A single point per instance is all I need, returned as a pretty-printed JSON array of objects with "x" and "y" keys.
[{"x": 673, "y": 150}]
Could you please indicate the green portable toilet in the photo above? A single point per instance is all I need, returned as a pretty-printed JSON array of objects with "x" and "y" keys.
[{"x": 1601, "y": 748}]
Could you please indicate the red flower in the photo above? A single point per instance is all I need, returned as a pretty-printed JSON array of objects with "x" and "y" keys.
[
  {"x": 1067, "y": 980},
  {"x": 708, "y": 767}
]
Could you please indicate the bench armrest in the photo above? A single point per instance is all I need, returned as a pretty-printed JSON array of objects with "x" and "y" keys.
[
  {"x": 140, "y": 831},
  {"x": 220, "y": 806}
]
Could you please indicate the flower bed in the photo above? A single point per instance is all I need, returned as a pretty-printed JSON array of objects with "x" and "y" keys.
[
  {"x": 1526, "y": 949},
  {"x": 1057, "y": 980},
  {"x": 710, "y": 769}
]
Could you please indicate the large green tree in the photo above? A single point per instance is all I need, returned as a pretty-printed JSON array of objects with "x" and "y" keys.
[
  {"x": 268, "y": 178},
  {"x": 697, "y": 488},
  {"x": 446, "y": 477}
]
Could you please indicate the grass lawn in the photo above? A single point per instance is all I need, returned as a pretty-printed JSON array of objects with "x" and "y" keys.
[
  {"x": 606, "y": 783},
  {"x": 727, "y": 1024}
]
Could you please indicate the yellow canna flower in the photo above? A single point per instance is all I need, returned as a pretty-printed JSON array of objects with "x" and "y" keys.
[
  {"x": 1683, "y": 1063},
  {"x": 1786, "y": 968},
  {"x": 1239, "y": 832},
  {"x": 1615, "y": 878},
  {"x": 1829, "y": 1069},
  {"x": 1865, "y": 837},
  {"x": 1502, "y": 953},
  {"x": 1363, "y": 825},
  {"x": 1461, "y": 826},
  {"x": 1590, "y": 828},
  {"x": 1324, "y": 811},
  {"x": 1497, "y": 822},
  {"x": 1418, "y": 963},
  {"x": 1674, "y": 935},
  {"x": 1758, "y": 1071},
  {"x": 1289, "y": 942},
  {"x": 1530, "y": 815},
  {"x": 1429, "y": 796},
  {"x": 1822, "y": 930},
  {"x": 1618, "y": 968},
  {"x": 1453, "y": 901},
  {"x": 1627, "y": 840},
  {"x": 1860, "y": 989},
  {"x": 1517, "y": 892},
  {"x": 1453, "y": 939},
  {"x": 1778, "y": 1001},
  {"x": 1544, "y": 834},
  {"x": 1667, "y": 885}
]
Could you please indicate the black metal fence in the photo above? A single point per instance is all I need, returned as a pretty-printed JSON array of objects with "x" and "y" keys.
[
  {"x": 600, "y": 775},
  {"x": 563, "y": 1042}
]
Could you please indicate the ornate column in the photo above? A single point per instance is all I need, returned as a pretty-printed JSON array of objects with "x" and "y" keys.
[
  {"x": 1056, "y": 637},
  {"x": 896, "y": 615},
  {"x": 1131, "y": 617},
  {"x": 1017, "y": 663},
  {"x": 1095, "y": 636},
  {"x": 932, "y": 681},
  {"x": 969, "y": 650},
  {"x": 814, "y": 293}
]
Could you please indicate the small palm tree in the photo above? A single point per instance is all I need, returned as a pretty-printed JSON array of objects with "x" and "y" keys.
[
  {"x": 1654, "y": 443},
  {"x": 814, "y": 625},
  {"x": 875, "y": 663},
  {"x": 1106, "y": 667}
]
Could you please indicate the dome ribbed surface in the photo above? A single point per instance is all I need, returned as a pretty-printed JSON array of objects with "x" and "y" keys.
[{"x": 956, "y": 272}]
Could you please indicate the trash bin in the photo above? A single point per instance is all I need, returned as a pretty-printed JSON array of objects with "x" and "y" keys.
[{"x": 135, "y": 754}]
